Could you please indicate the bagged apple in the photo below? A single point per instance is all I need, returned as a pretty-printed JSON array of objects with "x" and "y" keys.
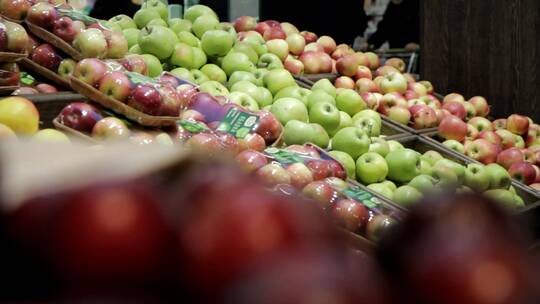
[
  {"x": 13, "y": 39},
  {"x": 75, "y": 33}
]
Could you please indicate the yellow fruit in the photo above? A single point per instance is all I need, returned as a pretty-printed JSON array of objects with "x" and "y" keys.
[
  {"x": 20, "y": 115},
  {"x": 50, "y": 136}
]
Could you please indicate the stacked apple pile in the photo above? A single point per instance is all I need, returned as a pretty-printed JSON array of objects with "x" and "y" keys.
[
  {"x": 20, "y": 118},
  {"x": 321, "y": 179},
  {"x": 512, "y": 143},
  {"x": 13, "y": 37},
  {"x": 85, "y": 34},
  {"x": 405, "y": 176}
]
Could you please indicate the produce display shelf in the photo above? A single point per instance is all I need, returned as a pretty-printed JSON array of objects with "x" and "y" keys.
[
  {"x": 49, "y": 105},
  {"x": 434, "y": 138},
  {"x": 316, "y": 77}
]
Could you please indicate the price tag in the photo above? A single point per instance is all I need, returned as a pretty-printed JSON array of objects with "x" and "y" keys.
[{"x": 238, "y": 123}]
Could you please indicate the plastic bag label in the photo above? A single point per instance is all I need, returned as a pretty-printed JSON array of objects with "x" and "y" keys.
[
  {"x": 238, "y": 123},
  {"x": 193, "y": 126},
  {"x": 284, "y": 157},
  {"x": 27, "y": 79},
  {"x": 363, "y": 196}
]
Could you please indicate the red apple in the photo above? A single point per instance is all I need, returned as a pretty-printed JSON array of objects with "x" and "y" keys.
[
  {"x": 482, "y": 151},
  {"x": 67, "y": 29},
  {"x": 481, "y": 105},
  {"x": 300, "y": 175},
  {"x": 423, "y": 117},
  {"x": 80, "y": 116},
  {"x": 269, "y": 127},
  {"x": 385, "y": 70},
  {"x": 492, "y": 137},
  {"x": 441, "y": 114},
  {"x": 410, "y": 78},
  {"x": 90, "y": 71},
  {"x": 251, "y": 160},
  {"x": 43, "y": 14},
  {"x": 245, "y": 23},
  {"x": 171, "y": 104},
  {"x": 533, "y": 135},
  {"x": 322, "y": 193},
  {"x": 410, "y": 94},
  {"x": 455, "y": 108},
  {"x": 273, "y": 174},
  {"x": 399, "y": 114},
  {"x": 372, "y": 100},
  {"x": 453, "y": 128},
  {"x": 481, "y": 123},
  {"x": 374, "y": 60},
  {"x": 341, "y": 51},
  {"x": 345, "y": 82},
  {"x": 509, "y": 157},
  {"x": 252, "y": 141},
  {"x": 508, "y": 139},
  {"x": 320, "y": 169},
  {"x": 46, "y": 56},
  {"x": 470, "y": 111},
  {"x": 328, "y": 44},
  {"x": 517, "y": 124},
  {"x": 454, "y": 97},
  {"x": 348, "y": 65},
  {"x": 366, "y": 85},
  {"x": 110, "y": 128},
  {"x": 274, "y": 33},
  {"x": 295, "y": 66},
  {"x": 15, "y": 9},
  {"x": 116, "y": 85},
  {"x": 363, "y": 72},
  {"x": 145, "y": 98},
  {"x": 309, "y": 36},
  {"x": 499, "y": 124},
  {"x": 205, "y": 145},
  {"x": 529, "y": 156},
  {"x": 432, "y": 101},
  {"x": 350, "y": 214},
  {"x": 391, "y": 100},
  {"x": 523, "y": 172},
  {"x": 397, "y": 63},
  {"x": 45, "y": 88},
  {"x": 472, "y": 132}
]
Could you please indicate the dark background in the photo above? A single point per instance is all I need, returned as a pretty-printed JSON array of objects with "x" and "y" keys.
[{"x": 484, "y": 47}]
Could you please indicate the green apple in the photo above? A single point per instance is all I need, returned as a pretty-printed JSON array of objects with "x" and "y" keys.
[
  {"x": 286, "y": 109},
  {"x": 158, "y": 6},
  {"x": 464, "y": 190},
  {"x": 257, "y": 93},
  {"x": 159, "y": 22},
  {"x": 346, "y": 161},
  {"x": 477, "y": 178},
  {"x": 244, "y": 100},
  {"x": 91, "y": 43},
  {"x": 244, "y": 47},
  {"x": 240, "y": 76},
  {"x": 135, "y": 49},
  {"x": 298, "y": 133},
  {"x": 382, "y": 189},
  {"x": 199, "y": 58},
  {"x": 182, "y": 56},
  {"x": 423, "y": 183},
  {"x": 425, "y": 167},
  {"x": 319, "y": 96},
  {"x": 370, "y": 121},
  {"x": 183, "y": 73},
  {"x": 371, "y": 168},
  {"x": 269, "y": 61},
  {"x": 325, "y": 114},
  {"x": 518, "y": 201},
  {"x": 215, "y": 88},
  {"x": 132, "y": 36},
  {"x": 349, "y": 101},
  {"x": 499, "y": 177},
  {"x": 115, "y": 27},
  {"x": 325, "y": 85},
  {"x": 178, "y": 25},
  {"x": 236, "y": 61},
  {"x": 379, "y": 146},
  {"x": 351, "y": 140},
  {"x": 407, "y": 196},
  {"x": 445, "y": 176},
  {"x": 259, "y": 76},
  {"x": 457, "y": 168},
  {"x": 143, "y": 16},
  {"x": 432, "y": 156},
  {"x": 153, "y": 65},
  {"x": 321, "y": 136},
  {"x": 454, "y": 145},
  {"x": 264, "y": 97},
  {"x": 504, "y": 198},
  {"x": 344, "y": 121},
  {"x": 203, "y": 24},
  {"x": 403, "y": 165},
  {"x": 214, "y": 73},
  {"x": 257, "y": 42},
  {"x": 188, "y": 38},
  {"x": 195, "y": 11},
  {"x": 157, "y": 40},
  {"x": 217, "y": 43},
  {"x": 278, "y": 47},
  {"x": 394, "y": 145},
  {"x": 390, "y": 184},
  {"x": 278, "y": 79},
  {"x": 124, "y": 21},
  {"x": 199, "y": 77},
  {"x": 294, "y": 92}
]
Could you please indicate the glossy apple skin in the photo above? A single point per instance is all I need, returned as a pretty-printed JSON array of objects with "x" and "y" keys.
[
  {"x": 90, "y": 71},
  {"x": 145, "y": 98},
  {"x": 80, "y": 116},
  {"x": 67, "y": 29},
  {"x": 43, "y": 14},
  {"x": 46, "y": 55},
  {"x": 251, "y": 160},
  {"x": 351, "y": 214}
]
